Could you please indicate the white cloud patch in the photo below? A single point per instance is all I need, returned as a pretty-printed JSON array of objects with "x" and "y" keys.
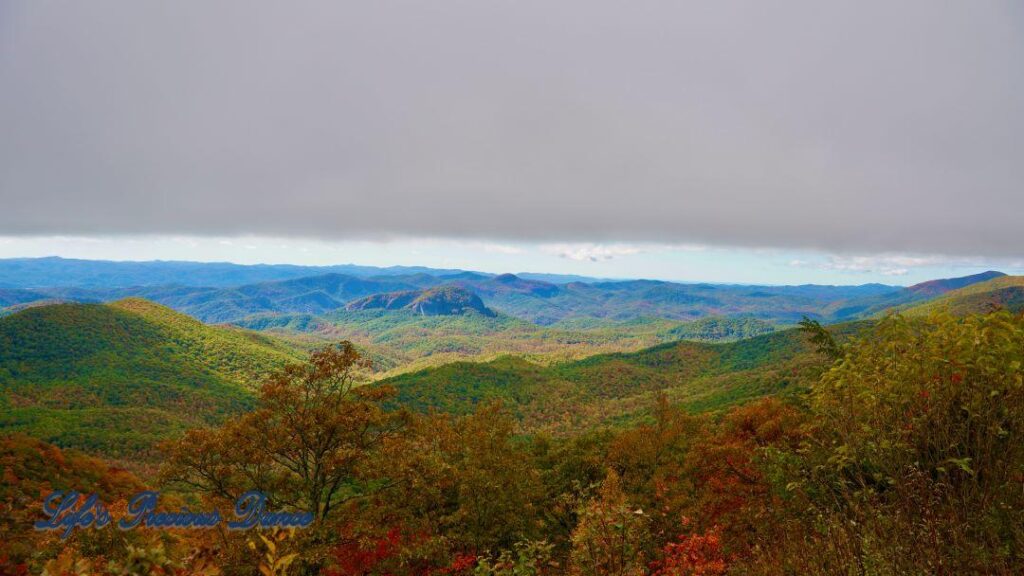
[
  {"x": 898, "y": 264},
  {"x": 501, "y": 248},
  {"x": 884, "y": 264},
  {"x": 895, "y": 272},
  {"x": 597, "y": 252},
  {"x": 889, "y": 265},
  {"x": 590, "y": 252}
]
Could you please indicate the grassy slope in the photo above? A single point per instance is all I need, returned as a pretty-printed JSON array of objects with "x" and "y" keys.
[
  {"x": 566, "y": 397},
  {"x": 116, "y": 378}
]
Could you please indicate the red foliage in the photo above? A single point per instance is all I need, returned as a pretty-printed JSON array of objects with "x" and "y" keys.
[
  {"x": 462, "y": 564},
  {"x": 360, "y": 558},
  {"x": 692, "y": 555},
  {"x": 9, "y": 568},
  {"x": 390, "y": 553}
]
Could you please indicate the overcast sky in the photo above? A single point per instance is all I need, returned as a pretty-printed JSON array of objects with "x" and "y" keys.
[{"x": 842, "y": 130}]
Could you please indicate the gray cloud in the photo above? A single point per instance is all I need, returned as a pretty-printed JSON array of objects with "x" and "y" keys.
[{"x": 845, "y": 126}]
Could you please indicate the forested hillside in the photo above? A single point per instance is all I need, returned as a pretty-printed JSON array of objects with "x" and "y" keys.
[
  {"x": 115, "y": 378},
  {"x": 565, "y": 398}
]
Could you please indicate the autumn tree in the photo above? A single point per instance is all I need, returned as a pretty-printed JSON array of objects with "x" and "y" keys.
[
  {"x": 735, "y": 491},
  {"x": 652, "y": 463},
  {"x": 308, "y": 445},
  {"x": 611, "y": 538},
  {"x": 917, "y": 465},
  {"x": 465, "y": 480}
]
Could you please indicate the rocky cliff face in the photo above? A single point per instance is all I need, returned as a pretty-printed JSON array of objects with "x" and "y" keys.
[{"x": 440, "y": 301}]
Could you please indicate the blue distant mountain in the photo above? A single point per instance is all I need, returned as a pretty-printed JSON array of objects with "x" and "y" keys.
[
  {"x": 67, "y": 272},
  {"x": 221, "y": 293}
]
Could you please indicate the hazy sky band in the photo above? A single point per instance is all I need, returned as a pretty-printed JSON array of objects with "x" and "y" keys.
[
  {"x": 842, "y": 126},
  {"x": 686, "y": 263}
]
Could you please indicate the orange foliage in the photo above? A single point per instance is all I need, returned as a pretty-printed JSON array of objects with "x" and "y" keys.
[{"x": 692, "y": 555}]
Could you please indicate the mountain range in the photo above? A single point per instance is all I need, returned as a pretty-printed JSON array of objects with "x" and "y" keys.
[
  {"x": 536, "y": 301},
  {"x": 116, "y": 377},
  {"x": 70, "y": 272}
]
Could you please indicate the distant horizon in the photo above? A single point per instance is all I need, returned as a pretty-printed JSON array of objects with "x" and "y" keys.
[{"x": 798, "y": 273}]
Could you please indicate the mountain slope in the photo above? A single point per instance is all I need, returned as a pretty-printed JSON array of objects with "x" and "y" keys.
[
  {"x": 938, "y": 287},
  {"x": 115, "y": 378},
  {"x": 866, "y": 307},
  {"x": 1003, "y": 292}
]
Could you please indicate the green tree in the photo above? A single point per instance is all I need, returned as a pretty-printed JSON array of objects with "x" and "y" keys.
[
  {"x": 919, "y": 442},
  {"x": 822, "y": 339}
]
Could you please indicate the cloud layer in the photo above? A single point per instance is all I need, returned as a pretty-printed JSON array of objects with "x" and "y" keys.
[{"x": 849, "y": 127}]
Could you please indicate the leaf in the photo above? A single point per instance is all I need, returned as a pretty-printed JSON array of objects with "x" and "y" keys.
[
  {"x": 286, "y": 561},
  {"x": 270, "y": 544},
  {"x": 962, "y": 463}
]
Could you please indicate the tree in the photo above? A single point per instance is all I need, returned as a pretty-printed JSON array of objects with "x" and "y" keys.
[
  {"x": 651, "y": 461},
  {"x": 822, "y": 339},
  {"x": 308, "y": 446},
  {"x": 919, "y": 441},
  {"x": 611, "y": 538},
  {"x": 465, "y": 479}
]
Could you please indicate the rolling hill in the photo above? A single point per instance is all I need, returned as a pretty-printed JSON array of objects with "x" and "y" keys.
[
  {"x": 562, "y": 398},
  {"x": 115, "y": 378}
]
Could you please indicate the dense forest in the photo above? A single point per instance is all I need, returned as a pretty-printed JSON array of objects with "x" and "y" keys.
[
  {"x": 447, "y": 438},
  {"x": 901, "y": 455}
]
